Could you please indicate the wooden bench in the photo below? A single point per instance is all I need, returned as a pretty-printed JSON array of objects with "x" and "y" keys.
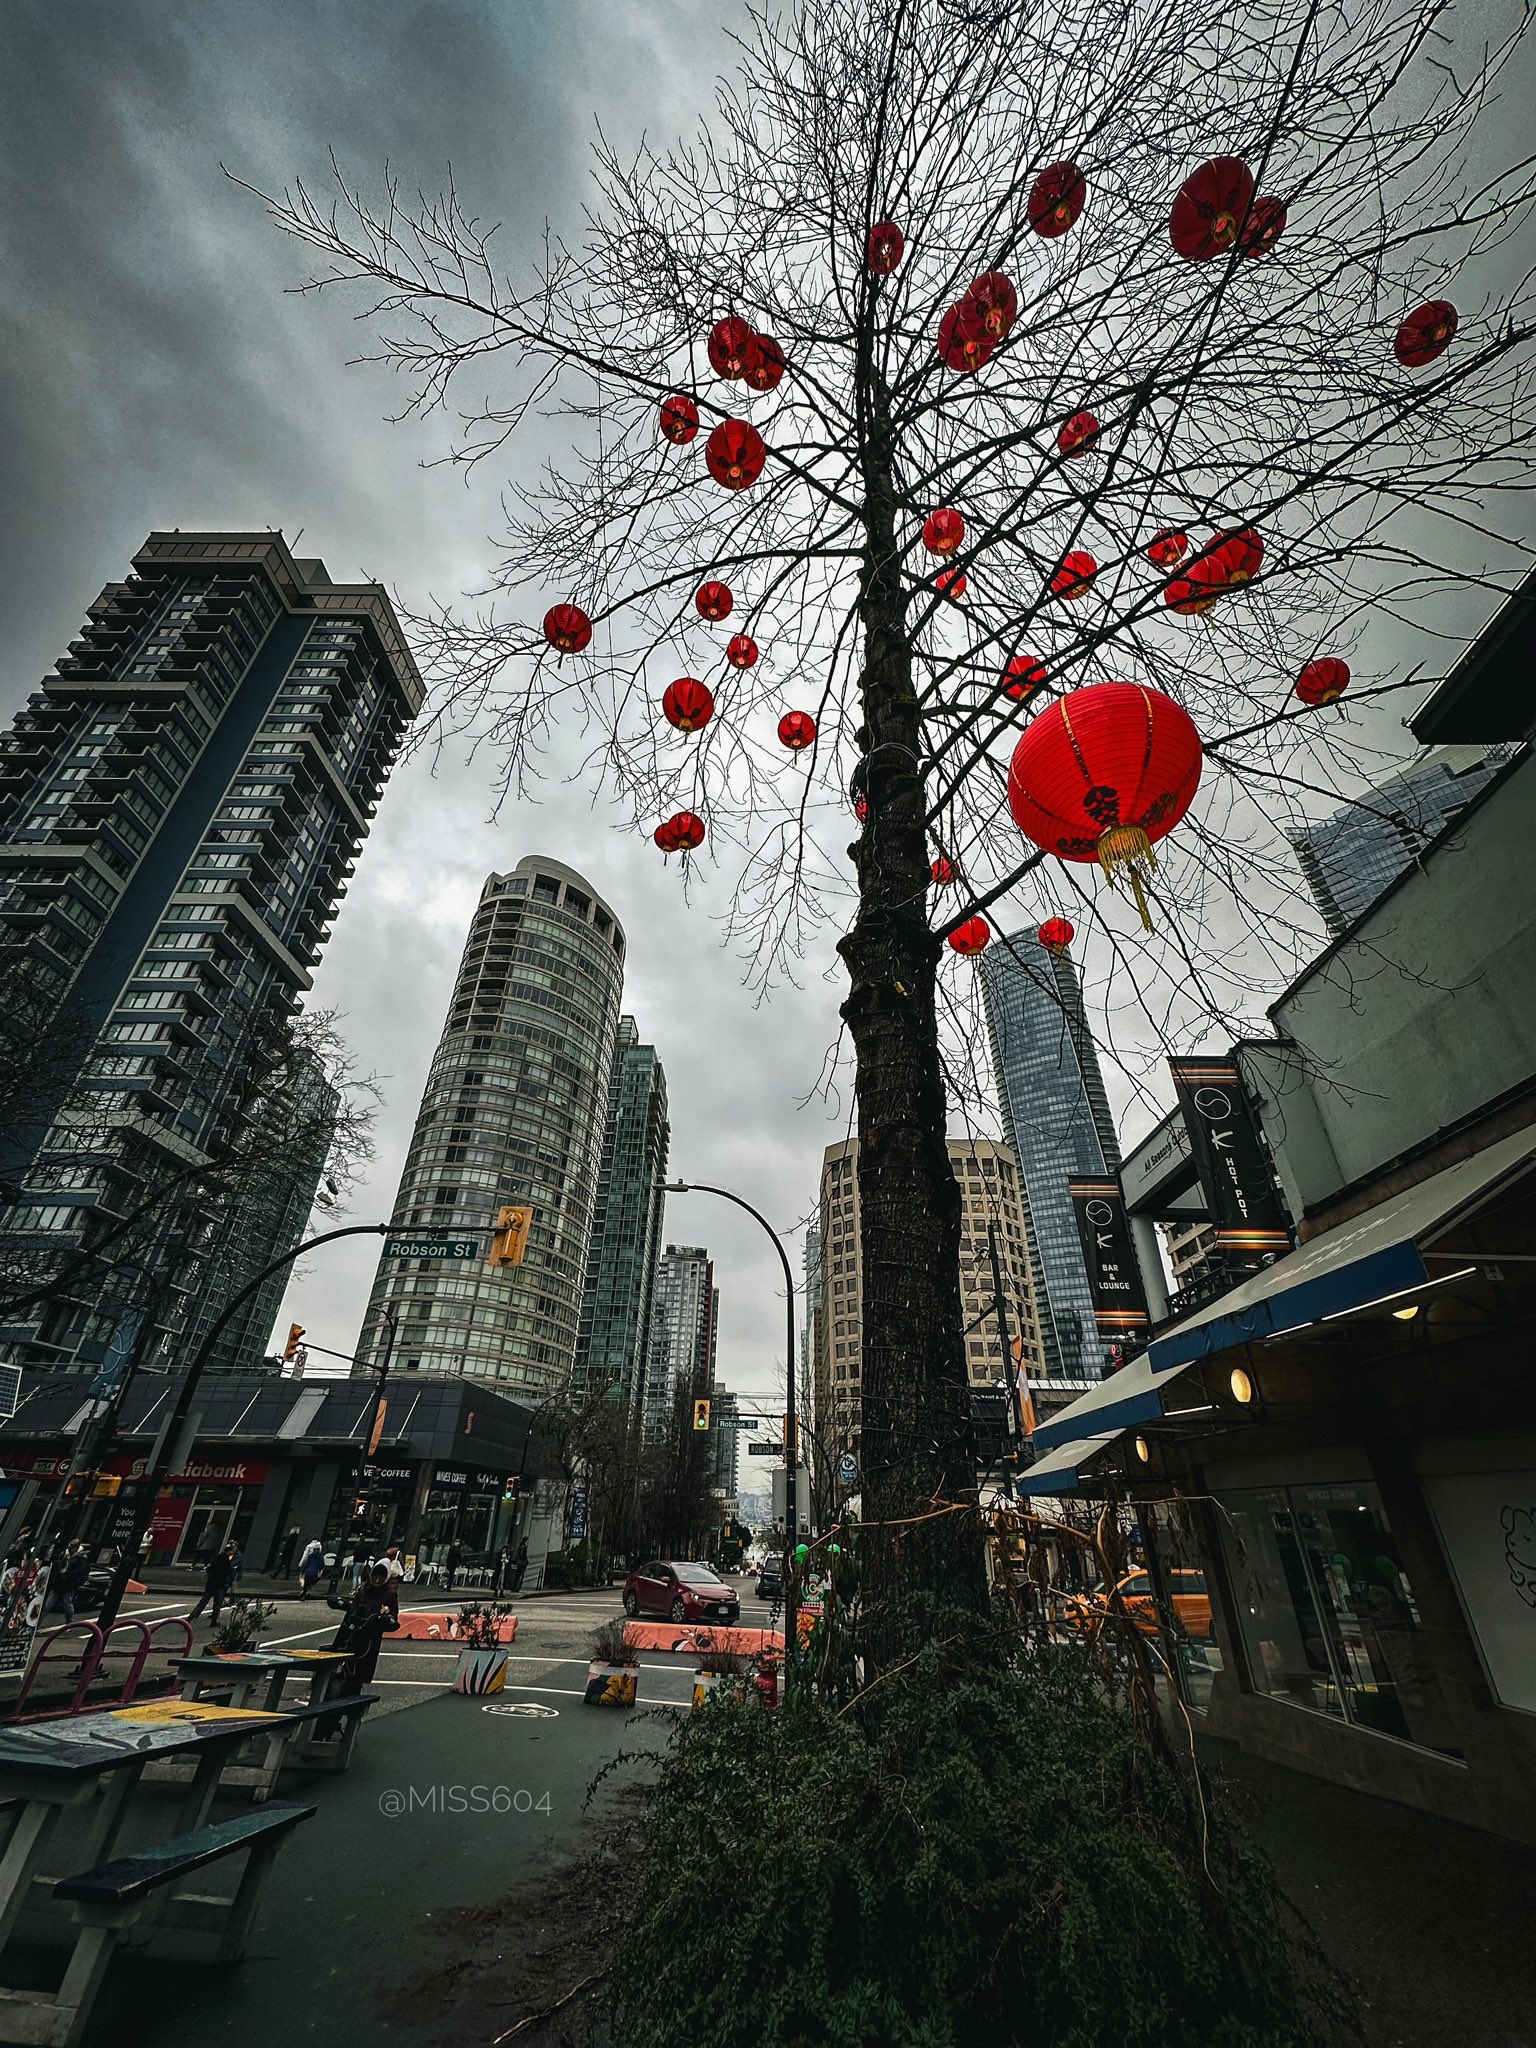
[
  {"x": 341, "y": 1718},
  {"x": 105, "y": 1901}
]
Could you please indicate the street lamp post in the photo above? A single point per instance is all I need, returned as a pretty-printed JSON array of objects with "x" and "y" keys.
[{"x": 792, "y": 1447}]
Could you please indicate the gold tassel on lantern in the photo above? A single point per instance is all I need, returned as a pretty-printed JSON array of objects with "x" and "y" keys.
[{"x": 1127, "y": 847}]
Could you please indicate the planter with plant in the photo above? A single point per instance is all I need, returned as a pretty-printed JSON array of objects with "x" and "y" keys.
[
  {"x": 715, "y": 1665},
  {"x": 482, "y": 1665},
  {"x": 240, "y": 1627},
  {"x": 614, "y": 1671}
]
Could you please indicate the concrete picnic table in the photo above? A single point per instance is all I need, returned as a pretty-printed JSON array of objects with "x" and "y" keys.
[{"x": 247, "y": 1672}]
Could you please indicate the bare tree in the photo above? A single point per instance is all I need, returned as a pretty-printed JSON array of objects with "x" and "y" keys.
[{"x": 1245, "y": 383}]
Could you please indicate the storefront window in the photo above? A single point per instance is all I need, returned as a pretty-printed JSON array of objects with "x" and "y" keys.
[
  {"x": 1188, "y": 1591},
  {"x": 475, "y": 1529},
  {"x": 439, "y": 1523},
  {"x": 1327, "y": 1615}
]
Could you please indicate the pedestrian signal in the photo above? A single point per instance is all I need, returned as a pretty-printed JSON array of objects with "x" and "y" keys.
[
  {"x": 290, "y": 1349},
  {"x": 701, "y": 1415},
  {"x": 510, "y": 1243}
]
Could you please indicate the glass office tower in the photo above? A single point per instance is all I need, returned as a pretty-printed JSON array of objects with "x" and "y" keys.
[{"x": 613, "y": 1343}]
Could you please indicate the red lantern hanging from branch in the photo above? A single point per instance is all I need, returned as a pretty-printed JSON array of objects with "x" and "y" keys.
[
  {"x": 972, "y": 937},
  {"x": 687, "y": 704},
  {"x": 1101, "y": 774},
  {"x": 1075, "y": 577},
  {"x": 1212, "y": 205},
  {"x": 713, "y": 601},
  {"x": 1264, "y": 226},
  {"x": 1056, "y": 199},
  {"x": 1168, "y": 548},
  {"x": 764, "y": 374},
  {"x": 741, "y": 650},
  {"x": 886, "y": 243},
  {"x": 995, "y": 303},
  {"x": 1079, "y": 435},
  {"x": 797, "y": 729},
  {"x": 1323, "y": 681},
  {"x": 1056, "y": 934},
  {"x": 964, "y": 344},
  {"x": 1024, "y": 675},
  {"x": 1198, "y": 588},
  {"x": 1426, "y": 333},
  {"x": 944, "y": 872},
  {"x": 733, "y": 348},
  {"x": 679, "y": 418},
  {"x": 687, "y": 830},
  {"x": 1240, "y": 555},
  {"x": 735, "y": 454},
  {"x": 950, "y": 583},
  {"x": 567, "y": 628},
  {"x": 666, "y": 837},
  {"x": 943, "y": 531}
]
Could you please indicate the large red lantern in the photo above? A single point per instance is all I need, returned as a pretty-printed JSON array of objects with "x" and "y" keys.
[
  {"x": 1212, "y": 205},
  {"x": 735, "y": 454},
  {"x": 666, "y": 837},
  {"x": 1079, "y": 434},
  {"x": 1425, "y": 334},
  {"x": 797, "y": 729},
  {"x": 1101, "y": 774},
  {"x": 741, "y": 650},
  {"x": 1056, "y": 934},
  {"x": 944, "y": 872},
  {"x": 687, "y": 830},
  {"x": 733, "y": 348},
  {"x": 679, "y": 418},
  {"x": 1241, "y": 555},
  {"x": 1056, "y": 199},
  {"x": 1168, "y": 548},
  {"x": 713, "y": 601},
  {"x": 964, "y": 344},
  {"x": 567, "y": 628},
  {"x": 1199, "y": 587},
  {"x": 943, "y": 531},
  {"x": 764, "y": 374},
  {"x": 950, "y": 583},
  {"x": 972, "y": 937},
  {"x": 1023, "y": 676},
  {"x": 687, "y": 703},
  {"x": 1264, "y": 226},
  {"x": 1075, "y": 576},
  {"x": 1323, "y": 681},
  {"x": 995, "y": 303},
  {"x": 886, "y": 243}
]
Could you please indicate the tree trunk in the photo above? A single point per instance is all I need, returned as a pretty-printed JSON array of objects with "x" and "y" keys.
[{"x": 915, "y": 1442}]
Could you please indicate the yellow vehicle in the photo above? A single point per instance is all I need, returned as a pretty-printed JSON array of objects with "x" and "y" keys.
[{"x": 1191, "y": 1604}]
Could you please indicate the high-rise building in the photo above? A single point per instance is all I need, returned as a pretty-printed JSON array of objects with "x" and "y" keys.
[
  {"x": 181, "y": 804},
  {"x": 613, "y": 1343},
  {"x": 992, "y": 1208},
  {"x": 1357, "y": 851},
  {"x": 1194, "y": 1256},
  {"x": 1057, "y": 1122},
  {"x": 684, "y": 1311},
  {"x": 512, "y": 1114},
  {"x": 815, "y": 1386}
]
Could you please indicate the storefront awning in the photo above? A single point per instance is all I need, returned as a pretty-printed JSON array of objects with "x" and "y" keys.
[{"x": 1059, "y": 1473}]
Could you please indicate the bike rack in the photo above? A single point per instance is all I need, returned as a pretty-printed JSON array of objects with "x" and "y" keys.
[
  {"x": 95, "y": 1644},
  {"x": 98, "y": 1648}
]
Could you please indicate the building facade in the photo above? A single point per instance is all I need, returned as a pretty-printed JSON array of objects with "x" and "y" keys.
[
  {"x": 1349, "y": 857},
  {"x": 724, "y": 1411},
  {"x": 512, "y": 1114},
  {"x": 613, "y": 1343},
  {"x": 1057, "y": 1124},
  {"x": 181, "y": 804},
  {"x": 683, "y": 1321}
]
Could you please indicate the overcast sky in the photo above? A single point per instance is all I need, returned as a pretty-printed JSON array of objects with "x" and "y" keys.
[{"x": 154, "y": 374}]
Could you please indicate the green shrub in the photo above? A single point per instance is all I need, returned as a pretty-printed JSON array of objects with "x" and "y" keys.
[{"x": 980, "y": 1853}]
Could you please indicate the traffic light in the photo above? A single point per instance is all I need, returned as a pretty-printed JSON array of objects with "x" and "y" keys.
[
  {"x": 295, "y": 1332},
  {"x": 509, "y": 1491},
  {"x": 701, "y": 1415},
  {"x": 106, "y": 1486},
  {"x": 511, "y": 1240}
]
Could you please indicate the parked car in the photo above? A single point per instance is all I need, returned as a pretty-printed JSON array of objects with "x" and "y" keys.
[
  {"x": 681, "y": 1590},
  {"x": 1191, "y": 1603},
  {"x": 770, "y": 1577}
]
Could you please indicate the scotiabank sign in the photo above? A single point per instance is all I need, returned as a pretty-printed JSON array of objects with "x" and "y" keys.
[{"x": 199, "y": 1472}]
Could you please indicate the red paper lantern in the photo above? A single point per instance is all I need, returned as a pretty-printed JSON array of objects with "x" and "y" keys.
[
  {"x": 1426, "y": 333},
  {"x": 666, "y": 837},
  {"x": 1056, "y": 934},
  {"x": 741, "y": 650},
  {"x": 943, "y": 531},
  {"x": 764, "y": 374},
  {"x": 1264, "y": 226},
  {"x": 567, "y": 628},
  {"x": 713, "y": 601},
  {"x": 995, "y": 303},
  {"x": 687, "y": 704},
  {"x": 1072, "y": 580},
  {"x": 1079, "y": 434},
  {"x": 734, "y": 454},
  {"x": 1056, "y": 199},
  {"x": 860, "y": 809},
  {"x": 950, "y": 583},
  {"x": 1212, "y": 205},
  {"x": 972, "y": 937},
  {"x": 797, "y": 729},
  {"x": 964, "y": 344},
  {"x": 1241, "y": 555},
  {"x": 687, "y": 830},
  {"x": 733, "y": 348},
  {"x": 944, "y": 872},
  {"x": 1168, "y": 548},
  {"x": 679, "y": 418},
  {"x": 1024, "y": 676},
  {"x": 1323, "y": 681},
  {"x": 1199, "y": 587},
  {"x": 886, "y": 242},
  {"x": 1101, "y": 774}
]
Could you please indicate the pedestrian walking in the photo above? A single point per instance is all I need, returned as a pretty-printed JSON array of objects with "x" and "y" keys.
[
  {"x": 67, "y": 1578},
  {"x": 219, "y": 1576},
  {"x": 519, "y": 1566},
  {"x": 288, "y": 1553},
  {"x": 455, "y": 1558},
  {"x": 311, "y": 1565},
  {"x": 372, "y": 1613},
  {"x": 503, "y": 1570}
]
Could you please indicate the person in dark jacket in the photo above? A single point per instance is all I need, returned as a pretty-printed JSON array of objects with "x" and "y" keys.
[
  {"x": 455, "y": 1559},
  {"x": 67, "y": 1578},
  {"x": 288, "y": 1553},
  {"x": 219, "y": 1576},
  {"x": 519, "y": 1565},
  {"x": 372, "y": 1613}
]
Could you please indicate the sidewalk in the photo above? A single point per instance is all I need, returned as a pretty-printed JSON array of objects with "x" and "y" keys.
[{"x": 188, "y": 1579}]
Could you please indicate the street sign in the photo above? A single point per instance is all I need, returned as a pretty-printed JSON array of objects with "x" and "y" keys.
[
  {"x": 765, "y": 1450},
  {"x": 847, "y": 1469},
  {"x": 578, "y": 1513},
  {"x": 431, "y": 1248},
  {"x": 749, "y": 1422}
]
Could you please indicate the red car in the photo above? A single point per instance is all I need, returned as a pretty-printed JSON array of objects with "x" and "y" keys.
[{"x": 682, "y": 1592}]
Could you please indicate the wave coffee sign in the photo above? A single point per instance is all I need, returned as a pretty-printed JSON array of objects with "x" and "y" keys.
[
  {"x": 1114, "y": 1278},
  {"x": 1235, "y": 1175}
]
